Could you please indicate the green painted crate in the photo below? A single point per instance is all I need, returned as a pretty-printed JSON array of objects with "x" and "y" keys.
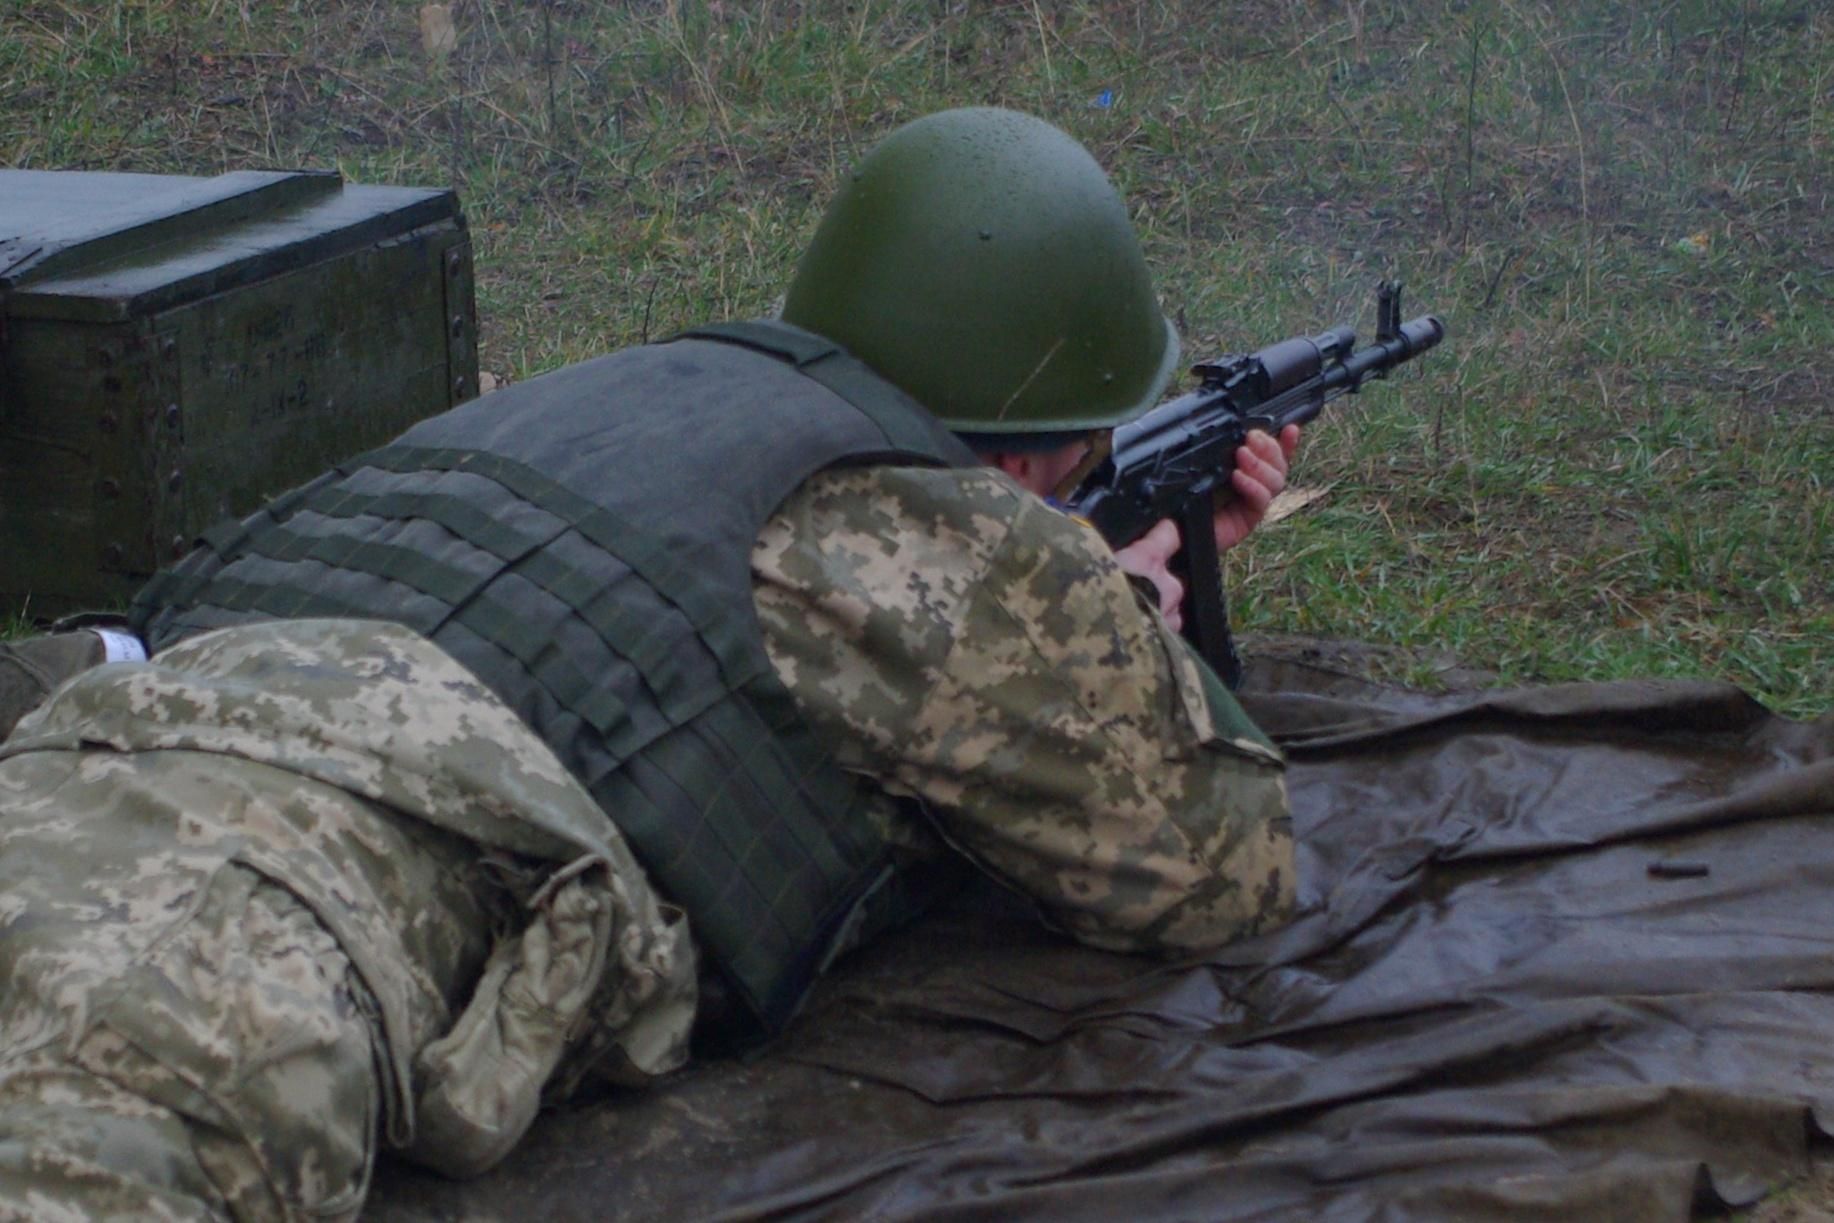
[{"x": 175, "y": 350}]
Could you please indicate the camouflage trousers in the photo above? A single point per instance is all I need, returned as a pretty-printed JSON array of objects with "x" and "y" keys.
[
  {"x": 180, "y": 1035},
  {"x": 290, "y": 893},
  {"x": 261, "y": 1103}
]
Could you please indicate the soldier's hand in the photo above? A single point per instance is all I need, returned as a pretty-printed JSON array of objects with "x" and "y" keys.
[
  {"x": 1148, "y": 558},
  {"x": 1260, "y": 473}
]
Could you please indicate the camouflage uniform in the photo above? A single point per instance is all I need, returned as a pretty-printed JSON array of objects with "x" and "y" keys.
[
  {"x": 249, "y": 893},
  {"x": 246, "y": 890},
  {"x": 962, "y": 642}
]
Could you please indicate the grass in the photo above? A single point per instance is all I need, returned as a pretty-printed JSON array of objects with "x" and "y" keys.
[{"x": 1621, "y": 462}]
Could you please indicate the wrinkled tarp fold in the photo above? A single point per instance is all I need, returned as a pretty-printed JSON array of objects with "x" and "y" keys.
[{"x": 1570, "y": 954}]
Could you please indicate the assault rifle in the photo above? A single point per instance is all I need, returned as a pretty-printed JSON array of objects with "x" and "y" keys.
[{"x": 1171, "y": 462}]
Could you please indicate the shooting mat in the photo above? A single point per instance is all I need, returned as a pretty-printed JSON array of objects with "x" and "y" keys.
[{"x": 1570, "y": 955}]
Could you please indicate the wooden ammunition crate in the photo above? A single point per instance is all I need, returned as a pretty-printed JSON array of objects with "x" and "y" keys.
[{"x": 176, "y": 350}]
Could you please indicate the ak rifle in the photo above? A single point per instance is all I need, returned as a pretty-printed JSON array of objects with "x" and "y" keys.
[{"x": 1173, "y": 461}]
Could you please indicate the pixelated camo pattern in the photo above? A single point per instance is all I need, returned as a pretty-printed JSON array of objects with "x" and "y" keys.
[
  {"x": 967, "y": 644},
  {"x": 235, "y": 879}
]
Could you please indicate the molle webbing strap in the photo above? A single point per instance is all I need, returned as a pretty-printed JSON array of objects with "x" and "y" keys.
[
  {"x": 469, "y": 599},
  {"x": 648, "y": 557},
  {"x": 178, "y": 586}
]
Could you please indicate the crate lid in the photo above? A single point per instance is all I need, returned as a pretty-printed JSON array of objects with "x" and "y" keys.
[{"x": 107, "y": 246}]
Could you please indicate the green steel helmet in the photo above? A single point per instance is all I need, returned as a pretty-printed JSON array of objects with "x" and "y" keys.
[{"x": 980, "y": 260}]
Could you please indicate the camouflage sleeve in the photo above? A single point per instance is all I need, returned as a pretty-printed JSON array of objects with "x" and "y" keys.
[{"x": 962, "y": 642}]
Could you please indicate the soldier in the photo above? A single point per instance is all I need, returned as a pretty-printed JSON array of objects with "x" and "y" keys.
[{"x": 778, "y": 610}]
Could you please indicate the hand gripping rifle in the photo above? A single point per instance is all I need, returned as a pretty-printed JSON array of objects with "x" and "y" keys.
[{"x": 1171, "y": 462}]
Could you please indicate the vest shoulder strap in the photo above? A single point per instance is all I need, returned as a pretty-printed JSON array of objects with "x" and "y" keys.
[{"x": 907, "y": 426}]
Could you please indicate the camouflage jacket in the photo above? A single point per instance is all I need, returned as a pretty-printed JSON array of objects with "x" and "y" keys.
[{"x": 961, "y": 642}]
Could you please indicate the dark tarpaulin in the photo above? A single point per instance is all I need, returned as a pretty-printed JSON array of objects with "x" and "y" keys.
[{"x": 1571, "y": 957}]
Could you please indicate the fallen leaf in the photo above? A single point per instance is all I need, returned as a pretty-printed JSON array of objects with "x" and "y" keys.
[
  {"x": 1291, "y": 500},
  {"x": 438, "y": 36}
]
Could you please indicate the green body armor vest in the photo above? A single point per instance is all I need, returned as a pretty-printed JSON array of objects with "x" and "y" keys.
[{"x": 582, "y": 542}]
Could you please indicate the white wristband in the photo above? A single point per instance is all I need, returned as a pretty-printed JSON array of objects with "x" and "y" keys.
[{"x": 120, "y": 647}]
